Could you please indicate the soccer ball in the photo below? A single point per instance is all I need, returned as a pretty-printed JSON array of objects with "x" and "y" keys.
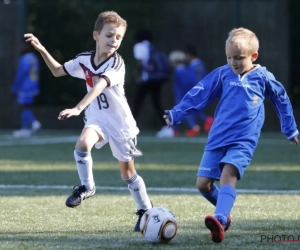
[{"x": 158, "y": 225}]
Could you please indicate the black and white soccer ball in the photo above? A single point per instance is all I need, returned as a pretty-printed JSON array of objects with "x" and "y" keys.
[{"x": 158, "y": 225}]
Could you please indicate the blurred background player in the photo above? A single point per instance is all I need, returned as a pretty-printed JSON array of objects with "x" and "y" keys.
[
  {"x": 177, "y": 59},
  {"x": 188, "y": 71},
  {"x": 196, "y": 71},
  {"x": 26, "y": 87},
  {"x": 151, "y": 73}
]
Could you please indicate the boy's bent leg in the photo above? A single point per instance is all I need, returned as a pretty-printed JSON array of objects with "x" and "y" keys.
[
  {"x": 125, "y": 152},
  {"x": 227, "y": 194},
  {"x": 137, "y": 189},
  {"x": 208, "y": 172},
  {"x": 208, "y": 189},
  {"x": 84, "y": 163},
  {"x": 234, "y": 163}
]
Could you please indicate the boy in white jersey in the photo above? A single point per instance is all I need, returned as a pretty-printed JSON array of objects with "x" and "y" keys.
[{"x": 108, "y": 118}]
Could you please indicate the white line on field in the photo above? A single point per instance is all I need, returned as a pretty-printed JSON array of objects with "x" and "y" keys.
[
  {"x": 162, "y": 189},
  {"x": 39, "y": 141},
  {"x": 57, "y": 140}
]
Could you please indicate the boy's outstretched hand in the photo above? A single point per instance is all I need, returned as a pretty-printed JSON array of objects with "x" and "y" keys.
[
  {"x": 294, "y": 141},
  {"x": 34, "y": 41},
  {"x": 68, "y": 113}
]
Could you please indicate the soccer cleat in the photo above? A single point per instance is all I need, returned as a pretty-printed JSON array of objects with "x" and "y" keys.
[
  {"x": 208, "y": 123},
  {"x": 228, "y": 223},
  {"x": 193, "y": 131},
  {"x": 215, "y": 227},
  {"x": 176, "y": 133},
  {"x": 140, "y": 214},
  {"x": 79, "y": 194}
]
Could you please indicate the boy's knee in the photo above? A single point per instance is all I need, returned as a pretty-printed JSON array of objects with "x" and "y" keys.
[
  {"x": 82, "y": 145},
  {"x": 204, "y": 184},
  {"x": 229, "y": 175}
]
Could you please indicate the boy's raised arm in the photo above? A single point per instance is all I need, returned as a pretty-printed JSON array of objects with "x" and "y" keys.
[
  {"x": 55, "y": 67},
  {"x": 87, "y": 99}
]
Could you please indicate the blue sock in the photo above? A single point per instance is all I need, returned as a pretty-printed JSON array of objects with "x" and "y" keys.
[
  {"x": 212, "y": 196},
  {"x": 202, "y": 116},
  {"x": 225, "y": 203},
  {"x": 27, "y": 118}
]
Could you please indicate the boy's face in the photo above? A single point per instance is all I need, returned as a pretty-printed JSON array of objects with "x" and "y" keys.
[
  {"x": 110, "y": 38},
  {"x": 238, "y": 59}
]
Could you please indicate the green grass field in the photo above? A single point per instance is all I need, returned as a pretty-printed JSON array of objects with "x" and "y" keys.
[{"x": 37, "y": 174}]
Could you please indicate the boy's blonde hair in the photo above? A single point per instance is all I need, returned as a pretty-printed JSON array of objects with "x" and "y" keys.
[
  {"x": 244, "y": 39},
  {"x": 109, "y": 17}
]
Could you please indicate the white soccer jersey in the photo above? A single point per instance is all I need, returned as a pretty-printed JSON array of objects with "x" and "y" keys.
[{"x": 110, "y": 109}]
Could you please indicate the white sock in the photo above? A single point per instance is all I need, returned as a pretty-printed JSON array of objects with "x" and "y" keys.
[
  {"x": 138, "y": 191},
  {"x": 84, "y": 164}
]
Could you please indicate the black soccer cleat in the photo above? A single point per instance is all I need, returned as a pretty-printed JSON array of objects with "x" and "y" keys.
[
  {"x": 79, "y": 194},
  {"x": 140, "y": 214}
]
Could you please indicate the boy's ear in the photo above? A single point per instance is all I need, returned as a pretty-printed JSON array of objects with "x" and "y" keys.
[
  {"x": 95, "y": 33},
  {"x": 254, "y": 56}
]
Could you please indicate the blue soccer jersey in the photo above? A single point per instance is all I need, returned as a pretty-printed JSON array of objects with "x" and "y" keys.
[
  {"x": 240, "y": 113},
  {"x": 26, "y": 83}
]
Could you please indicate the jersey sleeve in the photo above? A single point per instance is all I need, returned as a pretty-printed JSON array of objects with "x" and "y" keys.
[
  {"x": 200, "y": 96},
  {"x": 282, "y": 105},
  {"x": 73, "y": 68},
  {"x": 114, "y": 73}
]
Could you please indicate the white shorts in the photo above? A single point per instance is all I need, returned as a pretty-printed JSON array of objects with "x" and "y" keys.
[{"x": 122, "y": 151}]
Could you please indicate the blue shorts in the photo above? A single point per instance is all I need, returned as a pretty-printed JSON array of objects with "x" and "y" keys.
[
  {"x": 25, "y": 100},
  {"x": 213, "y": 161}
]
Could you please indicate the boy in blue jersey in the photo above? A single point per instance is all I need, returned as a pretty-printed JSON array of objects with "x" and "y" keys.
[
  {"x": 26, "y": 87},
  {"x": 242, "y": 87}
]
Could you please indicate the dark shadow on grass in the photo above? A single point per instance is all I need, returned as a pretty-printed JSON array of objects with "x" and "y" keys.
[{"x": 244, "y": 234}]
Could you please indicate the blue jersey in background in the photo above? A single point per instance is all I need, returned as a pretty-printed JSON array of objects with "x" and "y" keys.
[
  {"x": 187, "y": 76},
  {"x": 26, "y": 83}
]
